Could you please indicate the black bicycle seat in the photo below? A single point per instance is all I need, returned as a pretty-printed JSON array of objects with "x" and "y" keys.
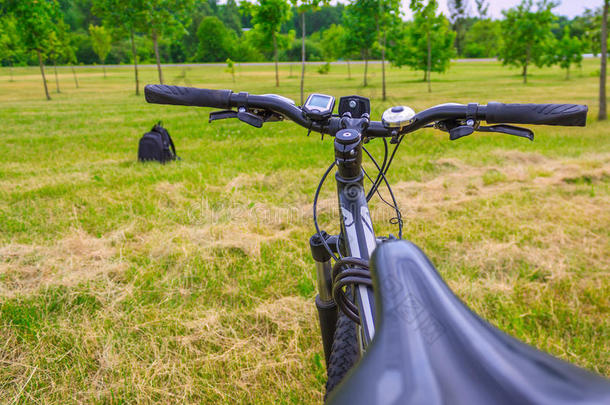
[{"x": 431, "y": 349}]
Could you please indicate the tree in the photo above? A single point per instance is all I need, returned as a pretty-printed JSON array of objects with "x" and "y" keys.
[
  {"x": 302, "y": 7},
  {"x": 55, "y": 52},
  {"x": 482, "y": 39},
  {"x": 359, "y": 19},
  {"x": 387, "y": 16},
  {"x": 268, "y": 17},
  {"x": 568, "y": 51},
  {"x": 457, "y": 15},
  {"x": 428, "y": 41},
  {"x": 163, "y": 18},
  {"x": 215, "y": 40},
  {"x": 102, "y": 42},
  {"x": 335, "y": 44},
  {"x": 527, "y": 35},
  {"x": 36, "y": 23},
  {"x": 125, "y": 14},
  {"x": 602, "y": 71}
]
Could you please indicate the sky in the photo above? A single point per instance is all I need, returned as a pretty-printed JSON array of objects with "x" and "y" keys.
[{"x": 568, "y": 8}]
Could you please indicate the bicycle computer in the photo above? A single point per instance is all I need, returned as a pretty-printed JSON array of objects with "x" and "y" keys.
[{"x": 318, "y": 107}]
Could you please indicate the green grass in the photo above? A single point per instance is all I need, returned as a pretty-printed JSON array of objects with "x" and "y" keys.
[{"x": 192, "y": 282}]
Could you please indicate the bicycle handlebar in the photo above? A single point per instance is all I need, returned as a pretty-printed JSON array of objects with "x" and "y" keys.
[
  {"x": 537, "y": 114},
  {"x": 540, "y": 114},
  {"x": 178, "y": 95}
]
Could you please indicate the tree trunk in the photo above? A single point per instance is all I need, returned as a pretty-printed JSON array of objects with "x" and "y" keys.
[
  {"x": 366, "y": 66},
  {"x": 56, "y": 77},
  {"x": 104, "y": 68},
  {"x": 135, "y": 62},
  {"x": 568, "y": 73},
  {"x": 383, "y": 95},
  {"x": 44, "y": 79},
  {"x": 302, "y": 55},
  {"x": 349, "y": 71},
  {"x": 602, "y": 71},
  {"x": 74, "y": 74},
  {"x": 156, "y": 46},
  {"x": 429, "y": 64},
  {"x": 277, "y": 74}
]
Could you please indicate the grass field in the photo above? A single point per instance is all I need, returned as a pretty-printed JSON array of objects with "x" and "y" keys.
[{"x": 134, "y": 283}]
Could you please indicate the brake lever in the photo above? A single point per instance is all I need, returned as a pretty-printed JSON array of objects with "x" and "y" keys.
[
  {"x": 242, "y": 115},
  {"x": 509, "y": 129},
  {"x": 222, "y": 115}
]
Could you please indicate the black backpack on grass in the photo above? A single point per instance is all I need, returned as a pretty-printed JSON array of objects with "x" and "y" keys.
[{"x": 157, "y": 145}]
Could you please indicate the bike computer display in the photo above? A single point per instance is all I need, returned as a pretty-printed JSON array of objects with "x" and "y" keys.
[{"x": 319, "y": 106}]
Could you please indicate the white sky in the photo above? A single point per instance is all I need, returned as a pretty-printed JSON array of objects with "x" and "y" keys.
[{"x": 569, "y": 8}]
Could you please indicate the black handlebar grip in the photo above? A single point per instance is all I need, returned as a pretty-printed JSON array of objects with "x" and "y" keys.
[
  {"x": 540, "y": 114},
  {"x": 178, "y": 95}
]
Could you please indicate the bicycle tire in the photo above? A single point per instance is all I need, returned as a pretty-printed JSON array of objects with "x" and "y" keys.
[{"x": 344, "y": 353}]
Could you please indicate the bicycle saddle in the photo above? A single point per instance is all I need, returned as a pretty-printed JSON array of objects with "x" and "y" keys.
[{"x": 432, "y": 349}]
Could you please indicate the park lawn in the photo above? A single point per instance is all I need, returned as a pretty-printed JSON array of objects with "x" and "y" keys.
[{"x": 123, "y": 282}]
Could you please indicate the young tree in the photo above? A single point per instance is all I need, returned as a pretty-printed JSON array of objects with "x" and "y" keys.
[
  {"x": 568, "y": 51},
  {"x": 527, "y": 35},
  {"x": 268, "y": 17},
  {"x": 387, "y": 16},
  {"x": 359, "y": 21},
  {"x": 302, "y": 7},
  {"x": 163, "y": 18},
  {"x": 55, "y": 52},
  {"x": 335, "y": 45},
  {"x": 36, "y": 23},
  {"x": 457, "y": 15},
  {"x": 101, "y": 41},
  {"x": 125, "y": 15},
  {"x": 428, "y": 43},
  {"x": 215, "y": 40},
  {"x": 602, "y": 71}
]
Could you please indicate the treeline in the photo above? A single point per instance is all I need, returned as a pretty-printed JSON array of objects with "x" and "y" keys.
[
  {"x": 175, "y": 31},
  {"x": 476, "y": 35}
]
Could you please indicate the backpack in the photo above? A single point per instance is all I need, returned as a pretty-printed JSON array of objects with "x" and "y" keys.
[{"x": 157, "y": 145}]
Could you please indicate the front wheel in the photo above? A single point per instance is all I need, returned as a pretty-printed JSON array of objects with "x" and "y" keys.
[{"x": 344, "y": 352}]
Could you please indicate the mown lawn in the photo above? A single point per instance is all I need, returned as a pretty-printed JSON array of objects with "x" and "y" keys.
[{"x": 192, "y": 282}]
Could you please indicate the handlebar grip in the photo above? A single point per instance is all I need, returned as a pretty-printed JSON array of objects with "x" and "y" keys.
[
  {"x": 541, "y": 114},
  {"x": 178, "y": 95}
]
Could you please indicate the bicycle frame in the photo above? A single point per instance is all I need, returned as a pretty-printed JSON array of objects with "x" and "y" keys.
[{"x": 357, "y": 238}]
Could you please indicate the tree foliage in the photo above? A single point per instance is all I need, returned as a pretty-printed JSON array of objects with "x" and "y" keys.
[
  {"x": 101, "y": 41},
  {"x": 483, "y": 39},
  {"x": 527, "y": 36},
  {"x": 268, "y": 17},
  {"x": 360, "y": 22},
  {"x": 215, "y": 40},
  {"x": 427, "y": 45},
  {"x": 568, "y": 51}
]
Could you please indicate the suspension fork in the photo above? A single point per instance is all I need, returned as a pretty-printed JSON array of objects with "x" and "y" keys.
[{"x": 326, "y": 306}]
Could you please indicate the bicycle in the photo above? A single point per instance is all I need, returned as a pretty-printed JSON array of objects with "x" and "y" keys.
[{"x": 392, "y": 331}]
